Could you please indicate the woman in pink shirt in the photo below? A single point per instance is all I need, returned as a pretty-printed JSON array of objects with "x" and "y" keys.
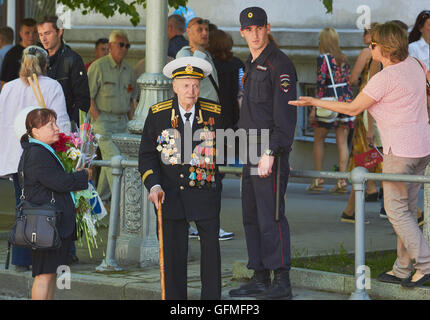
[{"x": 396, "y": 97}]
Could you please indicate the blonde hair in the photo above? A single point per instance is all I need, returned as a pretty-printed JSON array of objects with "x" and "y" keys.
[
  {"x": 329, "y": 43},
  {"x": 392, "y": 39},
  {"x": 34, "y": 61},
  {"x": 117, "y": 34}
]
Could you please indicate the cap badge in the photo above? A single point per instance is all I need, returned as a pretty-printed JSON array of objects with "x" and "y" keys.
[
  {"x": 189, "y": 69},
  {"x": 250, "y": 15}
]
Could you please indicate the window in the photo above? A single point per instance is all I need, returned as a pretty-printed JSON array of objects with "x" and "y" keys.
[{"x": 39, "y": 8}]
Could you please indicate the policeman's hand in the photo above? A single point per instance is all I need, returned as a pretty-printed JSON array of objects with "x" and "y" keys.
[
  {"x": 303, "y": 102},
  {"x": 154, "y": 194},
  {"x": 265, "y": 166}
]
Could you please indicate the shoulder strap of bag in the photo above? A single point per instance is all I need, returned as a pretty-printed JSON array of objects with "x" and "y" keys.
[
  {"x": 419, "y": 62},
  {"x": 215, "y": 86},
  {"x": 21, "y": 175},
  {"x": 331, "y": 76}
]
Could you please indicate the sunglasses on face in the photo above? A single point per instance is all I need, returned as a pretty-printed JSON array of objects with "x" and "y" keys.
[
  {"x": 122, "y": 44},
  {"x": 373, "y": 44}
]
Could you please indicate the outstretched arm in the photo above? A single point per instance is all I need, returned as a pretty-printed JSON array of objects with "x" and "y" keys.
[{"x": 357, "y": 106}]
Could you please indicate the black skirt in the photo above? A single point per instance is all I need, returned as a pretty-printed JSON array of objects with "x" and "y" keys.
[{"x": 48, "y": 261}]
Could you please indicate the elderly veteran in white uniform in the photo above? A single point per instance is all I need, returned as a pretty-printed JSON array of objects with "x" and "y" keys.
[{"x": 184, "y": 173}]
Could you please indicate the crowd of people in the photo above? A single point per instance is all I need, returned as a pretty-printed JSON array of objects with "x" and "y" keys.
[{"x": 213, "y": 89}]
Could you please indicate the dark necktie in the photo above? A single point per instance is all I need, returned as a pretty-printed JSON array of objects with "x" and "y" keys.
[{"x": 188, "y": 122}]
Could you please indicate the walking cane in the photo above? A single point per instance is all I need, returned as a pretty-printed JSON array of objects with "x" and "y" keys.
[{"x": 161, "y": 247}]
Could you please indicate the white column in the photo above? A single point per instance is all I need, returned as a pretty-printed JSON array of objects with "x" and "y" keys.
[
  {"x": 11, "y": 14},
  {"x": 155, "y": 87}
]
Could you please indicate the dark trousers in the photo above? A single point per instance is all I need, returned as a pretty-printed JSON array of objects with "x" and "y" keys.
[
  {"x": 20, "y": 256},
  {"x": 175, "y": 237},
  {"x": 268, "y": 241}
]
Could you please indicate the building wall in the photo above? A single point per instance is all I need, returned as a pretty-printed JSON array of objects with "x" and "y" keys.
[{"x": 295, "y": 26}]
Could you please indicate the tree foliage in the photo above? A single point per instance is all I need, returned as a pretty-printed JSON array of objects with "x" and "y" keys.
[
  {"x": 109, "y": 8},
  {"x": 328, "y": 4}
]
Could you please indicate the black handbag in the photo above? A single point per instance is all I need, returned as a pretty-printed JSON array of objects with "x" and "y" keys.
[{"x": 35, "y": 226}]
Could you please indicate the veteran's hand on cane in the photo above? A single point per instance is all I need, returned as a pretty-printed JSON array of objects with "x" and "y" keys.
[
  {"x": 265, "y": 166},
  {"x": 153, "y": 195}
]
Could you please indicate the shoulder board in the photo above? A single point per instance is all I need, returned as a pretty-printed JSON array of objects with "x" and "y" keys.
[
  {"x": 210, "y": 106},
  {"x": 165, "y": 105}
]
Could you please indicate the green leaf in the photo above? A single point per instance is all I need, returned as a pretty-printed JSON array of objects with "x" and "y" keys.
[
  {"x": 328, "y": 4},
  {"x": 109, "y": 8}
]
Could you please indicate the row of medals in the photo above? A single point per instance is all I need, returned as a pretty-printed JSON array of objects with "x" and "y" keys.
[{"x": 202, "y": 169}]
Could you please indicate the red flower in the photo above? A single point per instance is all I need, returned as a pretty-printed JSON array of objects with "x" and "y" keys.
[{"x": 61, "y": 144}]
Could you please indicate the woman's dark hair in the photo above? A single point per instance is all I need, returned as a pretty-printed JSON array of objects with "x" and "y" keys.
[
  {"x": 220, "y": 45},
  {"x": 415, "y": 34},
  {"x": 37, "y": 119}
]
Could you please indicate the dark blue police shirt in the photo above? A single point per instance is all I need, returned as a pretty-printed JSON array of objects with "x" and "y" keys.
[{"x": 270, "y": 83}]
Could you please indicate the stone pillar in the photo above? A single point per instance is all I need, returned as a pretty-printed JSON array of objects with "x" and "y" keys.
[
  {"x": 137, "y": 242},
  {"x": 11, "y": 14}
]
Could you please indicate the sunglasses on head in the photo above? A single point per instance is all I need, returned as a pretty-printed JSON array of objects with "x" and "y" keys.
[
  {"x": 426, "y": 13},
  {"x": 200, "y": 21},
  {"x": 122, "y": 44}
]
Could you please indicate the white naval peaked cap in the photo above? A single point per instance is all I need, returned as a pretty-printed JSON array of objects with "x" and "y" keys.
[
  {"x": 187, "y": 67},
  {"x": 19, "y": 123}
]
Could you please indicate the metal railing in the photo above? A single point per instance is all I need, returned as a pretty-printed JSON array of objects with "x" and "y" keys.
[{"x": 358, "y": 177}]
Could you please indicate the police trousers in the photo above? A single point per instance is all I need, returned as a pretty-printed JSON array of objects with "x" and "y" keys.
[{"x": 267, "y": 240}]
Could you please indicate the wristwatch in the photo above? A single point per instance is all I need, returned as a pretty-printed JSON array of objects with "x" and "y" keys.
[{"x": 269, "y": 152}]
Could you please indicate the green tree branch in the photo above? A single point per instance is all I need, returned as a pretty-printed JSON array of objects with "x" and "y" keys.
[{"x": 109, "y": 8}]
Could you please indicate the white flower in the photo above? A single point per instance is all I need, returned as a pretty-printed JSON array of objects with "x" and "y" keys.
[{"x": 73, "y": 153}]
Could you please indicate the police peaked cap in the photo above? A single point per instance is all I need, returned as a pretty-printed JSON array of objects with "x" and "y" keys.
[{"x": 253, "y": 16}]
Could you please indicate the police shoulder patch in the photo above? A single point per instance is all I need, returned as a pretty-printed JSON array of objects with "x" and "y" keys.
[
  {"x": 285, "y": 83},
  {"x": 165, "y": 105}
]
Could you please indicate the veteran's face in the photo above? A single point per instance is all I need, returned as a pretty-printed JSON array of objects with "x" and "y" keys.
[
  {"x": 48, "y": 134},
  {"x": 118, "y": 49},
  {"x": 188, "y": 91}
]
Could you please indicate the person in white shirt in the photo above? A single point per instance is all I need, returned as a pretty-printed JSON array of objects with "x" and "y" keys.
[
  {"x": 15, "y": 96},
  {"x": 419, "y": 38}
]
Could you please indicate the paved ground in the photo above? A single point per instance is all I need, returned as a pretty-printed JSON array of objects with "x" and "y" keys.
[{"x": 315, "y": 228}]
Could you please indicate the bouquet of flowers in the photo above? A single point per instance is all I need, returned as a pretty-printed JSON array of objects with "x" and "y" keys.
[{"x": 76, "y": 151}]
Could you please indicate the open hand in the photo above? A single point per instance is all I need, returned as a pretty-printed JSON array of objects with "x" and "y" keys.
[{"x": 303, "y": 102}]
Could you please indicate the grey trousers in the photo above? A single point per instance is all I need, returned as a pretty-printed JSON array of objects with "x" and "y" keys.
[
  {"x": 400, "y": 200},
  {"x": 107, "y": 125}
]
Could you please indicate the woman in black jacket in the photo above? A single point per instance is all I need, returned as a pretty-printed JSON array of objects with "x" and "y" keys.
[{"x": 44, "y": 176}]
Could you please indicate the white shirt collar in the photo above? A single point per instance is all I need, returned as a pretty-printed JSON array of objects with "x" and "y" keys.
[
  {"x": 423, "y": 43},
  {"x": 183, "y": 112}
]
